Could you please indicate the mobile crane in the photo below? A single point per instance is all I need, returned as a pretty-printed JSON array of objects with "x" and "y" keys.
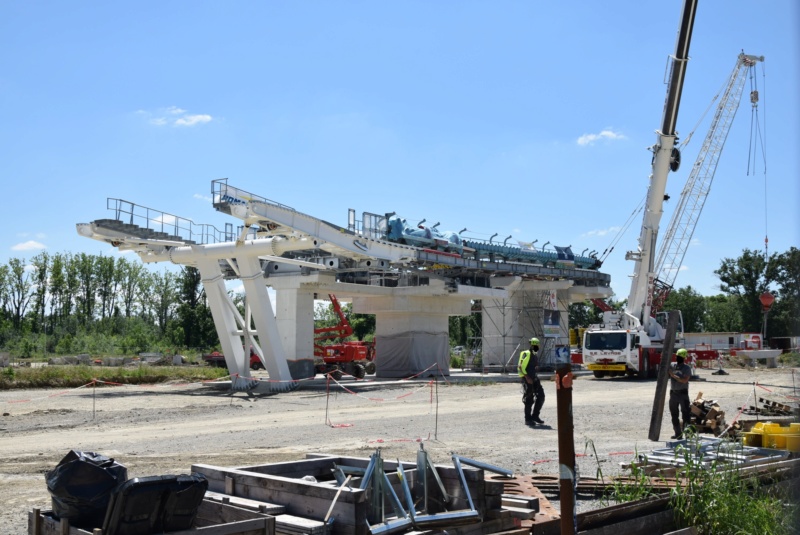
[
  {"x": 613, "y": 347},
  {"x": 636, "y": 349}
]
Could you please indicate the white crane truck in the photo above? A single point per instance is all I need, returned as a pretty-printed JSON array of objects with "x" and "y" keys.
[
  {"x": 623, "y": 343},
  {"x": 629, "y": 342}
]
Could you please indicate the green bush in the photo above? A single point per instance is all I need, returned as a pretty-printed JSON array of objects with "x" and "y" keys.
[
  {"x": 790, "y": 359},
  {"x": 75, "y": 376},
  {"x": 456, "y": 361}
]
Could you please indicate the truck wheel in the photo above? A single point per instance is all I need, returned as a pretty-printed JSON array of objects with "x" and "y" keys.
[
  {"x": 359, "y": 371},
  {"x": 599, "y": 375},
  {"x": 257, "y": 366},
  {"x": 370, "y": 368}
]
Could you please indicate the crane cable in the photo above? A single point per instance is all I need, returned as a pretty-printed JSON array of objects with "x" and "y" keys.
[
  {"x": 621, "y": 233},
  {"x": 758, "y": 138}
]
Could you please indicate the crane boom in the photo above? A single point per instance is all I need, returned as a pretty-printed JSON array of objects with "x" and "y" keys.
[
  {"x": 625, "y": 341},
  {"x": 693, "y": 197},
  {"x": 666, "y": 157}
]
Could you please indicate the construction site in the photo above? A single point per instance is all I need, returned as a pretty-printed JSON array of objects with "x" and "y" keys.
[{"x": 308, "y": 435}]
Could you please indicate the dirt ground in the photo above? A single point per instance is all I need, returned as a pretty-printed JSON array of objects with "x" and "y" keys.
[{"x": 165, "y": 429}]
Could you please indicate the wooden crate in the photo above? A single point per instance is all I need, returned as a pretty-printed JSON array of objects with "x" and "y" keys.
[
  {"x": 213, "y": 518},
  {"x": 281, "y": 483}
]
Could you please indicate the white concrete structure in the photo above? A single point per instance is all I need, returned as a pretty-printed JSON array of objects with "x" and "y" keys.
[{"x": 411, "y": 291}]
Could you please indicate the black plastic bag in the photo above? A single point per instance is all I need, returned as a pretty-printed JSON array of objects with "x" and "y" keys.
[{"x": 81, "y": 486}]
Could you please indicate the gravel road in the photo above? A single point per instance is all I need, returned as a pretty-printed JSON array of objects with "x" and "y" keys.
[{"x": 165, "y": 429}]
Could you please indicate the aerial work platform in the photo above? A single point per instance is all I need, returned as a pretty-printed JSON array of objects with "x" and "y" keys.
[{"x": 413, "y": 280}]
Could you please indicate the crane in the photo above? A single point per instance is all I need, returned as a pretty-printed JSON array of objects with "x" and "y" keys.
[
  {"x": 684, "y": 219},
  {"x": 608, "y": 347}
]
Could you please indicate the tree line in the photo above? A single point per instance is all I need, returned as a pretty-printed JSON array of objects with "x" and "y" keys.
[
  {"x": 737, "y": 308},
  {"x": 80, "y": 303}
]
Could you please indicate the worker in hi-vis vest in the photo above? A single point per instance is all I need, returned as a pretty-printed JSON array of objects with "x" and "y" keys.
[{"x": 532, "y": 391}]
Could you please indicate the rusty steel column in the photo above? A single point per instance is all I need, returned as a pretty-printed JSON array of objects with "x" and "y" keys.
[
  {"x": 566, "y": 449},
  {"x": 663, "y": 377}
]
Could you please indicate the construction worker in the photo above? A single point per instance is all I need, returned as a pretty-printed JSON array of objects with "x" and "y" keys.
[
  {"x": 531, "y": 386},
  {"x": 679, "y": 375}
]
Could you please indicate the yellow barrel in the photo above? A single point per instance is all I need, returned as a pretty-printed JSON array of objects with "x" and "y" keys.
[
  {"x": 752, "y": 439},
  {"x": 775, "y": 429},
  {"x": 793, "y": 443},
  {"x": 573, "y": 337},
  {"x": 580, "y": 335},
  {"x": 777, "y": 442}
]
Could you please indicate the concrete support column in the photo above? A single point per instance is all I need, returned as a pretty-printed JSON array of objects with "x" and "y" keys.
[
  {"x": 412, "y": 332},
  {"x": 294, "y": 309},
  {"x": 509, "y": 323}
]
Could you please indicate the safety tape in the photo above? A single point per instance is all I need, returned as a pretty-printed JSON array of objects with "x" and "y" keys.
[{"x": 95, "y": 382}]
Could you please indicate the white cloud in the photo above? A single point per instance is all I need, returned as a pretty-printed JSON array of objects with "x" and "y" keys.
[
  {"x": 165, "y": 219},
  {"x": 607, "y": 134},
  {"x": 601, "y": 232},
  {"x": 29, "y": 245},
  {"x": 202, "y": 197},
  {"x": 174, "y": 116},
  {"x": 191, "y": 120},
  {"x": 684, "y": 268}
]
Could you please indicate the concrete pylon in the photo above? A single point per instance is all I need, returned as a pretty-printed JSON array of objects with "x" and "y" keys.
[
  {"x": 508, "y": 323},
  {"x": 412, "y": 332}
]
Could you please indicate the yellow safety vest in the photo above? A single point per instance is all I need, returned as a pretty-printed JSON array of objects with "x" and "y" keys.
[{"x": 524, "y": 359}]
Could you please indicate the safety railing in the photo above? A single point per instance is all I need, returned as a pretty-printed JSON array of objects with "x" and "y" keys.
[{"x": 166, "y": 223}]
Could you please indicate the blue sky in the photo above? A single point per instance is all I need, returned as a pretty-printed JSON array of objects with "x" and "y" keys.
[{"x": 520, "y": 118}]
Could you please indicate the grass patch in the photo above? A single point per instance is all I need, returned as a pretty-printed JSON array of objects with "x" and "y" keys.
[
  {"x": 790, "y": 359},
  {"x": 715, "y": 500},
  {"x": 719, "y": 499},
  {"x": 71, "y": 376}
]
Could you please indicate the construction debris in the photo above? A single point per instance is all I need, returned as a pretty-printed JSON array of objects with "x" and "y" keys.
[
  {"x": 708, "y": 417},
  {"x": 768, "y": 407}
]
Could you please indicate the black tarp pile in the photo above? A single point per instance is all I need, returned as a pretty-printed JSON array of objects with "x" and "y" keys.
[{"x": 91, "y": 491}]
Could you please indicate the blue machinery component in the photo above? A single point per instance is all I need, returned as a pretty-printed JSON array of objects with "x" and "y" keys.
[{"x": 399, "y": 231}]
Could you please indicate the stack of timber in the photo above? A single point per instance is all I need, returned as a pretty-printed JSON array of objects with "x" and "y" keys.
[
  {"x": 708, "y": 417},
  {"x": 770, "y": 407}
]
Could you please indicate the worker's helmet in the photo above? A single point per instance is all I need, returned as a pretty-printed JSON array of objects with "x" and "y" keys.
[
  {"x": 534, "y": 341},
  {"x": 682, "y": 353}
]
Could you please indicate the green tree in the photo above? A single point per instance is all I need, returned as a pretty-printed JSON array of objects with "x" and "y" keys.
[
  {"x": 363, "y": 325},
  {"x": 131, "y": 284},
  {"x": 722, "y": 314},
  {"x": 86, "y": 274},
  {"x": 107, "y": 283},
  {"x": 584, "y": 314},
  {"x": 692, "y": 306},
  {"x": 162, "y": 296},
  {"x": 746, "y": 278},
  {"x": 785, "y": 314},
  {"x": 193, "y": 313},
  {"x": 58, "y": 289},
  {"x": 41, "y": 268},
  {"x": 19, "y": 291}
]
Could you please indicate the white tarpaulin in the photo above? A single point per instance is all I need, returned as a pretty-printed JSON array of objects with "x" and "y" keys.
[{"x": 412, "y": 353}]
